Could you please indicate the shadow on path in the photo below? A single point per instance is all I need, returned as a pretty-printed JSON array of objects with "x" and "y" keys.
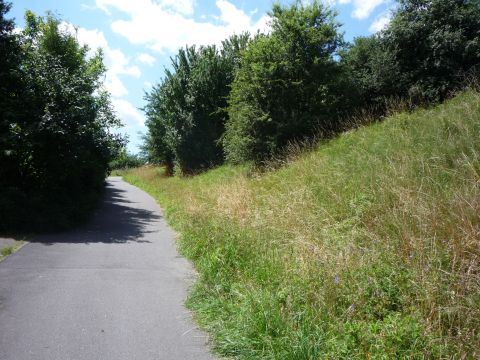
[{"x": 117, "y": 220}]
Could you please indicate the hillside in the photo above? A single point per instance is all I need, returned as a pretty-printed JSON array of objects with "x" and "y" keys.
[{"x": 366, "y": 247}]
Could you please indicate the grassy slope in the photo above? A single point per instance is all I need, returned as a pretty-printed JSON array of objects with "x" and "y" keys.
[{"x": 366, "y": 247}]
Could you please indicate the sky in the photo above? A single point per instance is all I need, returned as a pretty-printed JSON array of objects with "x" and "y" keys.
[{"x": 139, "y": 37}]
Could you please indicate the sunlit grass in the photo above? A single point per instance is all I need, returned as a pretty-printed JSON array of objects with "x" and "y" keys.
[{"x": 366, "y": 247}]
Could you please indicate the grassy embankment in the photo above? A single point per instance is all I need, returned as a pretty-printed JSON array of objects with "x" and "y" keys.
[{"x": 366, "y": 247}]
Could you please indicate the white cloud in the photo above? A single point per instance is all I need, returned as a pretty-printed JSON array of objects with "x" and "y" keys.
[
  {"x": 129, "y": 115},
  {"x": 362, "y": 9},
  {"x": 184, "y": 7},
  {"x": 146, "y": 59},
  {"x": 87, "y": 7},
  {"x": 166, "y": 25},
  {"x": 229, "y": 14},
  {"x": 148, "y": 85},
  {"x": 115, "y": 60},
  {"x": 380, "y": 23}
]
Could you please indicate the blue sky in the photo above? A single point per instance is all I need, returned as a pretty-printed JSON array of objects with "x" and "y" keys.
[{"x": 140, "y": 36}]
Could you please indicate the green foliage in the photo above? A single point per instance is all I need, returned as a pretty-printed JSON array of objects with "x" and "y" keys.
[
  {"x": 185, "y": 114},
  {"x": 289, "y": 85},
  {"x": 57, "y": 143},
  {"x": 373, "y": 71},
  {"x": 202, "y": 125},
  {"x": 425, "y": 53},
  {"x": 7, "y": 250},
  {"x": 10, "y": 81},
  {"x": 435, "y": 42},
  {"x": 125, "y": 160}
]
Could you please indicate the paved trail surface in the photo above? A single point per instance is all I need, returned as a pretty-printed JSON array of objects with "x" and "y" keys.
[{"x": 113, "y": 289}]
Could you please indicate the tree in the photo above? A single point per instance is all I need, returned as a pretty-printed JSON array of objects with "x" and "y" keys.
[
  {"x": 373, "y": 71},
  {"x": 435, "y": 43},
  {"x": 58, "y": 142},
  {"x": 185, "y": 112},
  {"x": 155, "y": 145},
  {"x": 10, "y": 88},
  {"x": 289, "y": 85}
]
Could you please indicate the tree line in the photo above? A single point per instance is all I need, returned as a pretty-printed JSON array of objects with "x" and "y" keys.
[
  {"x": 247, "y": 99},
  {"x": 55, "y": 125}
]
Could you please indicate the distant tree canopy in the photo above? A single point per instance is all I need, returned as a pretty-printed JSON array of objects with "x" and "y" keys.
[
  {"x": 302, "y": 80},
  {"x": 55, "y": 122},
  {"x": 126, "y": 160}
]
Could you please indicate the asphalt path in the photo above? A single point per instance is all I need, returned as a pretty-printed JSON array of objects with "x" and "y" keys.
[{"x": 113, "y": 289}]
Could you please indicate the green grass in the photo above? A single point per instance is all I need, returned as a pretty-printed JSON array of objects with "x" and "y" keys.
[
  {"x": 7, "y": 250},
  {"x": 366, "y": 247},
  {"x": 10, "y": 249}
]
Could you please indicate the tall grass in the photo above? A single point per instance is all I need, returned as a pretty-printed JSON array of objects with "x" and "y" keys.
[{"x": 365, "y": 247}]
